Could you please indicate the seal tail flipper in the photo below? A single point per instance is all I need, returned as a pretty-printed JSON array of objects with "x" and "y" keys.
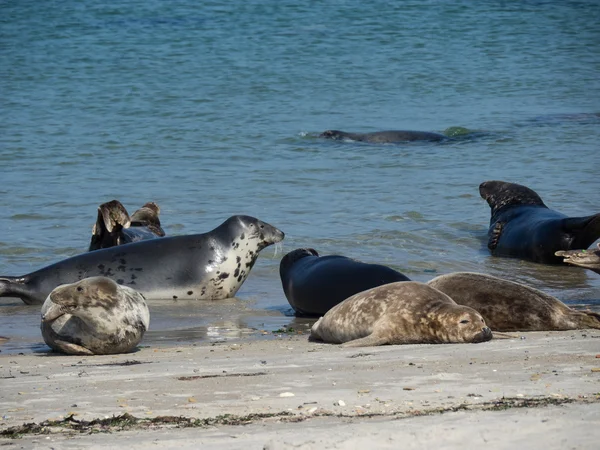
[
  {"x": 17, "y": 287},
  {"x": 590, "y": 319},
  {"x": 584, "y": 230}
]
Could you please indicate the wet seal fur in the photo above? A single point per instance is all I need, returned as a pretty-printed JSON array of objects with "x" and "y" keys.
[
  {"x": 522, "y": 226},
  {"x": 94, "y": 316},
  {"x": 384, "y": 137},
  {"x": 210, "y": 265},
  {"x": 589, "y": 259},
  {"x": 406, "y": 312},
  {"x": 509, "y": 306},
  {"x": 314, "y": 284},
  {"x": 114, "y": 226}
]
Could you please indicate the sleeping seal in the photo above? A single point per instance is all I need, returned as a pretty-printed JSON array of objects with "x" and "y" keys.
[
  {"x": 384, "y": 137},
  {"x": 114, "y": 226},
  {"x": 406, "y": 312},
  {"x": 522, "y": 226},
  {"x": 314, "y": 284},
  {"x": 94, "y": 316},
  {"x": 210, "y": 265},
  {"x": 509, "y": 306},
  {"x": 590, "y": 259}
]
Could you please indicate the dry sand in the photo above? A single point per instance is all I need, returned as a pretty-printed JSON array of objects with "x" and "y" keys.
[{"x": 538, "y": 390}]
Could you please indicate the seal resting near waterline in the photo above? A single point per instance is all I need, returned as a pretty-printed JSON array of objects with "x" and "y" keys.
[
  {"x": 405, "y": 312},
  {"x": 94, "y": 316},
  {"x": 522, "y": 226},
  {"x": 314, "y": 284},
  {"x": 114, "y": 226},
  {"x": 384, "y": 137},
  {"x": 509, "y": 306},
  {"x": 210, "y": 265},
  {"x": 589, "y": 259}
]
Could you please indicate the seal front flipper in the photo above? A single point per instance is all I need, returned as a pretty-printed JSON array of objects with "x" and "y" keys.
[
  {"x": 368, "y": 341},
  {"x": 494, "y": 235},
  {"x": 70, "y": 348},
  {"x": 583, "y": 230}
]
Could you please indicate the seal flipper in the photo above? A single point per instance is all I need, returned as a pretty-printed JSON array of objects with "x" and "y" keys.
[
  {"x": 70, "y": 348},
  {"x": 495, "y": 234},
  {"x": 112, "y": 218},
  {"x": 17, "y": 287},
  {"x": 584, "y": 230},
  {"x": 368, "y": 341},
  {"x": 148, "y": 216},
  {"x": 590, "y": 319}
]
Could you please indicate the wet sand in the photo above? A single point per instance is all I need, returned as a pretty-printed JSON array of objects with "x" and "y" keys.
[{"x": 537, "y": 390}]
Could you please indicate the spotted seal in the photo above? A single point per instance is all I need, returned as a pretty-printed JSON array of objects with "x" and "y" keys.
[
  {"x": 114, "y": 226},
  {"x": 522, "y": 226},
  {"x": 94, "y": 316},
  {"x": 589, "y": 259},
  {"x": 210, "y": 265},
  {"x": 384, "y": 137},
  {"x": 405, "y": 312},
  {"x": 314, "y": 284},
  {"x": 509, "y": 306}
]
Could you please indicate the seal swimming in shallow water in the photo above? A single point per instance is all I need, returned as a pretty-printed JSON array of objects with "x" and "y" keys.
[
  {"x": 314, "y": 284},
  {"x": 406, "y": 312},
  {"x": 522, "y": 226},
  {"x": 210, "y": 265},
  {"x": 509, "y": 306},
  {"x": 589, "y": 259},
  {"x": 384, "y": 137},
  {"x": 114, "y": 226},
  {"x": 94, "y": 316}
]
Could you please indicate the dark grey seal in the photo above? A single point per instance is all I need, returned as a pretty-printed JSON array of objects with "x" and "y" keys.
[
  {"x": 589, "y": 259},
  {"x": 211, "y": 265},
  {"x": 94, "y": 316},
  {"x": 114, "y": 226},
  {"x": 384, "y": 137},
  {"x": 522, "y": 226},
  {"x": 314, "y": 284}
]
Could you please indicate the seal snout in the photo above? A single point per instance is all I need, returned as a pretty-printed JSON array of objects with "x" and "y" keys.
[{"x": 484, "y": 336}]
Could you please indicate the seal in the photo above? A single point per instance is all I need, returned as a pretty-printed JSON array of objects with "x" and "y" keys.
[
  {"x": 314, "y": 284},
  {"x": 210, "y": 265},
  {"x": 384, "y": 137},
  {"x": 522, "y": 226},
  {"x": 94, "y": 316},
  {"x": 589, "y": 259},
  {"x": 114, "y": 226},
  {"x": 509, "y": 306},
  {"x": 405, "y": 312}
]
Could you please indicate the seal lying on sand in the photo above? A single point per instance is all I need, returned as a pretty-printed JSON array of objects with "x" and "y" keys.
[
  {"x": 114, "y": 226},
  {"x": 94, "y": 316},
  {"x": 590, "y": 259},
  {"x": 406, "y": 312},
  {"x": 314, "y": 284},
  {"x": 211, "y": 265},
  {"x": 384, "y": 137},
  {"x": 521, "y": 225},
  {"x": 510, "y": 306}
]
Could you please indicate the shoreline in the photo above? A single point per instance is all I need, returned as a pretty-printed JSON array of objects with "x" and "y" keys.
[{"x": 288, "y": 389}]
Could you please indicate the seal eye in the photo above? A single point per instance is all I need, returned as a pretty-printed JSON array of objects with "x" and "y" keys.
[
  {"x": 79, "y": 289},
  {"x": 464, "y": 321}
]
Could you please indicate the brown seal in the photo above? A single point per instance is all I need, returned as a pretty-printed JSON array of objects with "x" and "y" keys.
[
  {"x": 509, "y": 306},
  {"x": 405, "y": 312},
  {"x": 589, "y": 259},
  {"x": 94, "y": 316}
]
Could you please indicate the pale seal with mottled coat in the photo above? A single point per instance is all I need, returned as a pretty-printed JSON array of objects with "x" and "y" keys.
[
  {"x": 406, "y": 312},
  {"x": 589, "y": 259},
  {"x": 94, "y": 316}
]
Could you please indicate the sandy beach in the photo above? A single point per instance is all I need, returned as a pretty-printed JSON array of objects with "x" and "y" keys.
[{"x": 536, "y": 390}]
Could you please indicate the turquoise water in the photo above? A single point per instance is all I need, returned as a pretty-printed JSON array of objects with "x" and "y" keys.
[{"x": 212, "y": 109}]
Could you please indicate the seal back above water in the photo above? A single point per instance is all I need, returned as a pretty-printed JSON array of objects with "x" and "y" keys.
[
  {"x": 94, "y": 316},
  {"x": 509, "y": 306},
  {"x": 314, "y": 284},
  {"x": 522, "y": 226},
  {"x": 405, "y": 312},
  {"x": 384, "y": 137}
]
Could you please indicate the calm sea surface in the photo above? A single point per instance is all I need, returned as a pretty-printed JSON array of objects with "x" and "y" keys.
[{"x": 212, "y": 109}]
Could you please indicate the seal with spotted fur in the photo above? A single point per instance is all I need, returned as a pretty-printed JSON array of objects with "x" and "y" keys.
[
  {"x": 384, "y": 137},
  {"x": 114, "y": 226},
  {"x": 314, "y": 284},
  {"x": 405, "y": 312},
  {"x": 210, "y": 265},
  {"x": 94, "y": 316},
  {"x": 589, "y": 259},
  {"x": 509, "y": 306},
  {"x": 522, "y": 226}
]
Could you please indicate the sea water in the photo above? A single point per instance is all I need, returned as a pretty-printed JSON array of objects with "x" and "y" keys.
[{"x": 214, "y": 108}]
